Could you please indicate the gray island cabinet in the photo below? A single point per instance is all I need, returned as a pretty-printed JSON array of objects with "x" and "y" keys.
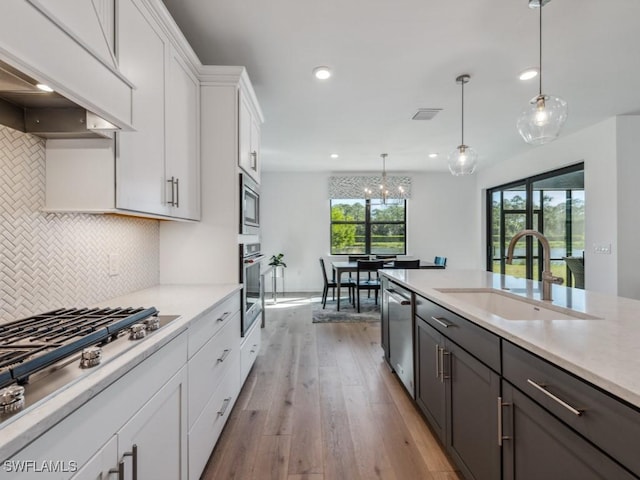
[{"x": 501, "y": 410}]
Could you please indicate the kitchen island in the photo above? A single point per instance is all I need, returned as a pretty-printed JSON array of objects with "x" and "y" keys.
[
  {"x": 185, "y": 375},
  {"x": 576, "y": 356}
]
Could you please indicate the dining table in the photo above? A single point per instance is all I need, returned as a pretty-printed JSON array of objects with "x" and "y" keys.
[{"x": 341, "y": 267}]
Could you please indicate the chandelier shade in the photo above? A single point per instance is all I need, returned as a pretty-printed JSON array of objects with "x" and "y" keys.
[{"x": 541, "y": 121}]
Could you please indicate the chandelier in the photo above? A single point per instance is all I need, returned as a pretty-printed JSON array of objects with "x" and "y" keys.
[
  {"x": 541, "y": 121},
  {"x": 383, "y": 189}
]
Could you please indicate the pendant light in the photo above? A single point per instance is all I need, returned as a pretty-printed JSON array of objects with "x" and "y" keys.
[
  {"x": 463, "y": 160},
  {"x": 541, "y": 121}
]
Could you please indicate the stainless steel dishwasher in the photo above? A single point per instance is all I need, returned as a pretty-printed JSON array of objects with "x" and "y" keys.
[{"x": 399, "y": 308}]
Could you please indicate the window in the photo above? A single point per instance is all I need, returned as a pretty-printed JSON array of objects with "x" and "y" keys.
[
  {"x": 364, "y": 226},
  {"x": 552, "y": 203}
]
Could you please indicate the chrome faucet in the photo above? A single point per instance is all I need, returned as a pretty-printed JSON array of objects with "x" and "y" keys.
[{"x": 547, "y": 277}]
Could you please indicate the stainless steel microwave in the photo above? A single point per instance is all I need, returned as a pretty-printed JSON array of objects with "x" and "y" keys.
[{"x": 249, "y": 206}]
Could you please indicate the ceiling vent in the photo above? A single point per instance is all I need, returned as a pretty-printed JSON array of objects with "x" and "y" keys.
[{"x": 426, "y": 113}]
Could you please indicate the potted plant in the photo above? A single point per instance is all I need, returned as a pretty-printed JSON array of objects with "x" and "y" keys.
[{"x": 277, "y": 264}]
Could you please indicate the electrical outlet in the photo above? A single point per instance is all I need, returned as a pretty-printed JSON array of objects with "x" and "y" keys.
[
  {"x": 114, "y": 264},
  {"x": 602, "y": 248}
]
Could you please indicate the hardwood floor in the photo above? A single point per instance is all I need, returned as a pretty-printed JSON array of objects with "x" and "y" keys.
[{"x": 321, "y": 404}]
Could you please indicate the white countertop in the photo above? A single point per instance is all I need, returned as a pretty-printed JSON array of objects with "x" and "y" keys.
[
  {"x": 604, "y": 351},
  {"x": 188, "y": 301}
]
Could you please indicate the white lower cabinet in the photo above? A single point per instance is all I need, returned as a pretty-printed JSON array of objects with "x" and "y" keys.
[
  {"x": 249, "y": 350},
  {"x": 207, "y": 428}
]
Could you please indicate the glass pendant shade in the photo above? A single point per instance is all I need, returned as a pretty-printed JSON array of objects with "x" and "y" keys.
[
  {"x": 541, "y": 121},
  {"x": 463, "y": 160}
]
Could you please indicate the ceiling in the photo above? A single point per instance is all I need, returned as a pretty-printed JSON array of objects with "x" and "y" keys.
[{"x": 391, "y": 58}]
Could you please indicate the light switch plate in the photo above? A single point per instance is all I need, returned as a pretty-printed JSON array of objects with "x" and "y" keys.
[{"x": 602, "y": 248}]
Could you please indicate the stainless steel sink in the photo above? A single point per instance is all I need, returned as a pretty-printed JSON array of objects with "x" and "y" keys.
[{"x": 513, "y": 307}]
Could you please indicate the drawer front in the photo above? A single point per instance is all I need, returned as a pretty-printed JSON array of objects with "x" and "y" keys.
[
  {"x": 249, "y": 351},
  {"x": 209, "y": 365},
  {"x": 479, "y": 342},
  {"x": 607, "y": 422},
  {"x": 201, "y": 330},
  {"x": 207, "y": 428}
]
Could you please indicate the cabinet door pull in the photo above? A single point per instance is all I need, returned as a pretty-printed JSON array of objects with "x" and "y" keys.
[
  {"x": 224, "y": 355},
  {"x": 253, "y": 349},
  {"x": 223, "y": 317},
  {"x": 225, "y": 405},
  {"x": 119, "y": 470},
  {"x": 134, "y": 460},
  {"x": 544, "y": 390},
  {"x": 173, "y": 198},
  {"x": 442, "y": 321},
  {"x": 177, "y": 205},
  {"x": 501, "y": 437},
  {"x": 254, "y": 160},
  {"x": 450, "y": 370}
]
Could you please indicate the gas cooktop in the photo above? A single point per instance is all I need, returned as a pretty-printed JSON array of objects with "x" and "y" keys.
[{"x": 37, "y": 353}]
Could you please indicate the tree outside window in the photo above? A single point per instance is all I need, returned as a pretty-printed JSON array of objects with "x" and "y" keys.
[{"x": 364, "y": 226}]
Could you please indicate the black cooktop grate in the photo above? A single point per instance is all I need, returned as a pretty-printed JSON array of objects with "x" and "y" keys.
[{"x": 33, "y": 343}]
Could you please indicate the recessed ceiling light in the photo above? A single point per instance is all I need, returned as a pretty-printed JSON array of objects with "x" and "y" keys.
[
  {"x": 44, "y": 88},
  {"x": 321, "y": 73},
  {"x": 433, "y": 155},
  {"x": 529, "y": 73},
  {"x": 334, "y": 155}
]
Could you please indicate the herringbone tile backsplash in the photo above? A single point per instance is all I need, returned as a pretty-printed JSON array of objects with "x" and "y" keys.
[{"x": 61, "y": 260}]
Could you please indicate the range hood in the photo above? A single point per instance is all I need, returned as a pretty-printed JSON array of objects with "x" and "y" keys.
[{"x": 25, "y": 107}]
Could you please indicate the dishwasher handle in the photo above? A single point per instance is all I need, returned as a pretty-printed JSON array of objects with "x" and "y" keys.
[{"x": 397, "y": 296}]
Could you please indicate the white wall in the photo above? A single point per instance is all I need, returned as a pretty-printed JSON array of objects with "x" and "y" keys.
[
  {"x": 596, "y": 146},
  {"x": 441, "y": 220}
]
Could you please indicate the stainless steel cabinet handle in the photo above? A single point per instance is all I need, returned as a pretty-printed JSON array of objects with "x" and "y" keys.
[
  {"x": 177, "y": 205},
  {"x": 119, "y": 470},
  {"x": 223, "y": 317},
  {"x": 134, "y": 454},
  {"x": 450, "y": 373},
  {"x": 254, "y": 160},
  {"x": 501, "y": 437},
  {"x": 544, "y": 390},
  {"x": 173, "y": 198},
  {"x": 224, "y": 355},
  {"x": 398, "y": 297},
  {"x": 225, "y": 405},
  {"x": 442, "y": 321}
]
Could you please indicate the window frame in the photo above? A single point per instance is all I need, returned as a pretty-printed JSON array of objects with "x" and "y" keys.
[{"x": 368, "y": 223}]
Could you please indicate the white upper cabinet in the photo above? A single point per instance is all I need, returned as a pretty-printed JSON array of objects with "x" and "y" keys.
[
  {"x": 248, "y": 138},
  {"x": 182, "y": 139},
  {"x": 154, "y": 170},
  {"x": 142, "y": 51}
]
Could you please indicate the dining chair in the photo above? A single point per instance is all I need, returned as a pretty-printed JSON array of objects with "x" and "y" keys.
[
  {"x": 440, "y": 261},
  {"x": 350, "y": 284},
  {"x": 367, "y": 278},
  {"x": 407, "y": 264}
]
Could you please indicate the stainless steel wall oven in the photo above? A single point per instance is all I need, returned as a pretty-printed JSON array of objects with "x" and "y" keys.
[{"x": 250, "y": 259}]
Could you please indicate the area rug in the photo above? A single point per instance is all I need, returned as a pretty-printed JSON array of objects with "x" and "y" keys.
[{"x": 369, "y": 311}]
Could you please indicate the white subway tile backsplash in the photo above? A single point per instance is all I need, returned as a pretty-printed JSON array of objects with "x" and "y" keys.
[{"x": 56, "y": 260}]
